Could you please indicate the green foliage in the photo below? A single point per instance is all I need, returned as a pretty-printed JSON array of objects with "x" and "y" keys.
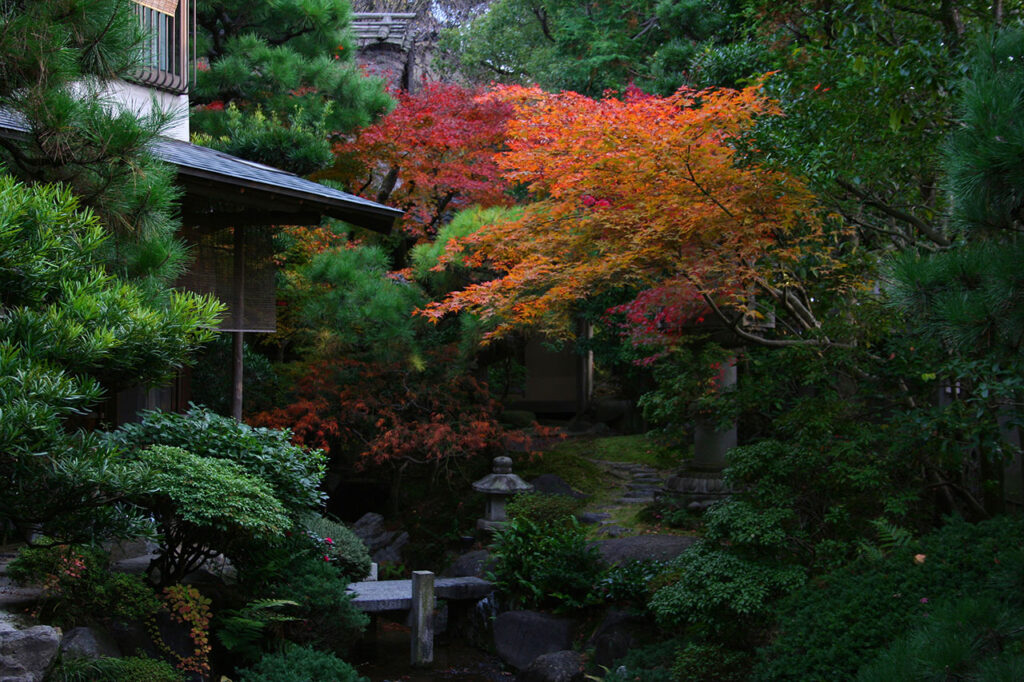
[
  {"x": 59, "y": 61},
  {"x": 324, "y": 616},
  {"x": 261, "y": 385},
  {"x": 241, "y": 631},
  {"x": 970, "y": 638},
  {"x": 723, "y": 591},
  {"x": 299, "y": 145},
  {"x": 205, "y": 506},
  {"x": 543, "y": 508},
  {"x": 628, "y": 583},
  {"x": 649, "y": 663},
  {"x": 292, "y": 473},
  {"x": 984, "y": 152},
  {"x": 365, "y": 311},
  {"x": 69, "y": 335},
  {"x": 348, "y": 554},
  {"x": 545, "y": 565},
  {"x": 834, "y": 625},
  {"x": 710, "y": 662},
  {"x": 440, "y": 271},
  {"x": 288, "y": 67},
  {"x": 78, "y": 588},
  {"x": 568, "y": 46},
  {"x": 300, "y": 664},
  {"x": 130, "y": 669}
]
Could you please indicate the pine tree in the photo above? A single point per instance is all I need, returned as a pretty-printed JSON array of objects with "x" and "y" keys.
[
  {"x": 58, "y": 59},
  {"x": 277, "y": 80}
]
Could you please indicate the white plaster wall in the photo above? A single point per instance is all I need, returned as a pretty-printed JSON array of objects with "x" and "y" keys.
[{"x": 141, "y": 99}]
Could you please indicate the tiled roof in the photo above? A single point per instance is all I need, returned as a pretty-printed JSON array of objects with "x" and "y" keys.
[{"x": 217, "y": 168}]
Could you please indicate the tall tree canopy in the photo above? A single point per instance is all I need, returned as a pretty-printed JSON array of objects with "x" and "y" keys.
[
  {"x": 277, "y": 80},
  {"x": 589, "y": 47},
  {"x": 637, "y": 192}
]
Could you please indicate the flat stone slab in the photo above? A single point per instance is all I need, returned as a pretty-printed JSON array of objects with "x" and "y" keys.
[{"x": 396, "y": 595}]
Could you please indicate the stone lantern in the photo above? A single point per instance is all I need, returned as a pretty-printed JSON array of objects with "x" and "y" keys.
[{"x": 498, "y": 485}]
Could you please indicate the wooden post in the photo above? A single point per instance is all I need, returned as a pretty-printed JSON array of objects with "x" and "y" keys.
[
  {"x": 238, "y": 340},
  {"x": 422, "y": 640}
]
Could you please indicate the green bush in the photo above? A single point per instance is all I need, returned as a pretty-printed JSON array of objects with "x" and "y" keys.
[
  {"x": 300, "y": 664},
  {"x": 346, "y": 551},
  {"x": 78, "y": 586},
  {"x": 324, "y": 616},
  {"x": 710, "y": 662},
  {"x": 545, "y": 565},
  {"x": 132, "y": 669},
  {"x": 650, "y": 663},
  {"x": 292, "y": 473},
  {"x": 542, "y": 508},
  {"x": 726, "y": 592},
  {"x": 628, "y": 583},
  {"x": 965, "y": 639},
  {"x": 204, "y": 507},
  {"x": 832, "y": 626}
]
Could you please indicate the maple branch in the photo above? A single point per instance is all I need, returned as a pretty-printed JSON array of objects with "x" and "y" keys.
[
  {"x": 693, "y": 179},
  {"x": 894, "y": 212}
]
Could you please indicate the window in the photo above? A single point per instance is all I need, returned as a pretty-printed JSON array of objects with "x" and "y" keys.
[{"x": 166, "y": 48}]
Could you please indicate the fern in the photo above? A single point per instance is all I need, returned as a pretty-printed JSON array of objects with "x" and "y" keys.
[{"x": 242, "y": 630}]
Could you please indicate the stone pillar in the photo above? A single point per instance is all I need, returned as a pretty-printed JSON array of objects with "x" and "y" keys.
[
  {"x": 699, "y": 482},
  {"x": 422, "y": 616}
]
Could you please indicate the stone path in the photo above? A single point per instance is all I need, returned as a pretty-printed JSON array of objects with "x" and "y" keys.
[{"x": 640, "y": 482}]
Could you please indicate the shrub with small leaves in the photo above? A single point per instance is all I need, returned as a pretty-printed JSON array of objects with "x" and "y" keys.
[
  {"x": 344, "y": 548},
  {"x": 831, "y": 627},
  {"x": 542, "y": 508},
  {"x": 300, "y": 664},
  {"x": 79, "y": 588}
]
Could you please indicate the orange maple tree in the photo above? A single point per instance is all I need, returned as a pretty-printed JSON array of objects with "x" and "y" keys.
[{"x": 637, "y": 192}]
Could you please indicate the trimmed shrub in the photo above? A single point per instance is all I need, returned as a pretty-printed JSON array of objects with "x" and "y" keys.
[
  {"x": 300, "y": 664},
  {"x": 346, "y": 551},
  {"x": 542, "y": 508}
]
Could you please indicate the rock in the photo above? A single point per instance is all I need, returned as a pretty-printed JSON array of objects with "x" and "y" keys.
[
  {"x": 383, "y": 545},
  {"x": 522, "y": 636},
  {"x": 84, "y": 642},
  {"x": 645, "y": 547},
  {"x": 614, "y": 637},
  {"x": 552, "y": 484},
  {"x": 613, "y": 531},
  {"x": 470, "y": 564},
  {"x": 392, "y": 552},
  {"x": 26, "y": 653},
  {"x": 589, "y": 518},
  {"x": 561, "y": 666}
]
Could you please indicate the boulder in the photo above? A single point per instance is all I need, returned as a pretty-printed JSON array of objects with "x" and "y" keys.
[
  {"x": 84, "y": 642},
  {"x": 26, "y": 653},
  {"x": 521, "y": 636},
  {"x": 644, "y": 547},
  {"x": 383, "y": 545},
  {"x": 553, "y": 484},
  {"x": 471, "y": 564},
  {"x": 615, "y": 636},
  {"x": 392, "y": 551},
  {"x": 561, "y": 666}
]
